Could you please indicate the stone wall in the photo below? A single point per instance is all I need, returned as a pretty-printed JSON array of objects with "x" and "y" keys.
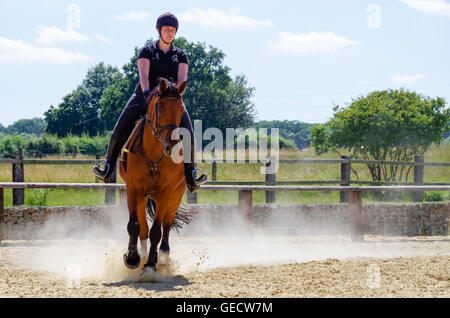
[{"x": 415, "y": 219}]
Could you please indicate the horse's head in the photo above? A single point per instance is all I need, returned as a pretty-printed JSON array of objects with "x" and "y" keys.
[{"x": 164, "y": 112}]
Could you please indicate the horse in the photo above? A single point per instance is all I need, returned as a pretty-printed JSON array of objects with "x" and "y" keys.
[{"x": 155, "y": 183}]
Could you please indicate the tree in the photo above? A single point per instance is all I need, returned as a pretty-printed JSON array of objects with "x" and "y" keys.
[
  {"x": 35, "y": 126},
  {"x": 80, "y": 110},
  {"x": 294, "y": 130},
  {"x": 212, "y": 95},
  {"x": 116, "y": 95},
  {"x": 385, "y": 125}
]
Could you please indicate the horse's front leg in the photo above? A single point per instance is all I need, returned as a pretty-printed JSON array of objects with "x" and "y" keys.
[
  {"x": 131, "y": 258},
  {"x": 148, "y": 273},
  {"x": 155, "y": 238}
]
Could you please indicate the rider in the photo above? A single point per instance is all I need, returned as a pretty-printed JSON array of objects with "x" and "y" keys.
[{"x": 159, "y": 59}]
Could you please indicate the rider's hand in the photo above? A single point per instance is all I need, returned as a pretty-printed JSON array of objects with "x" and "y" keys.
[{"x": 147, "y": 97}]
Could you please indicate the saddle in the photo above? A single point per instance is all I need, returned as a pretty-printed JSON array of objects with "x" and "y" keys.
[{"x": 131, "y": 145}]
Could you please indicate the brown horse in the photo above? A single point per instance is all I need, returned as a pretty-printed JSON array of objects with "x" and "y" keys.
[{"x": 154, "y": 181}]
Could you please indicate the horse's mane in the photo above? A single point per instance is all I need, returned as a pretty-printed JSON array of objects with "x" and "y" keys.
[{"x": 171, "y": 90}]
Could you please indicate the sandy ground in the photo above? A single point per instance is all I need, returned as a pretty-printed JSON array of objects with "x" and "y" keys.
[{"x": 264, "y": 266}]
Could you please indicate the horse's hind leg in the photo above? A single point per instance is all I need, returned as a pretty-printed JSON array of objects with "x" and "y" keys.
[{"x": 155, "y": 237}]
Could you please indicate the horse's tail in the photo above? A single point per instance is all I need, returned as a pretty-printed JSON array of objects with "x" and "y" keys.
[{"x": 183, "y": 215}]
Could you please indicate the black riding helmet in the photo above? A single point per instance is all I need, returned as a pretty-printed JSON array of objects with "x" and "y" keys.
[{"x": 167, "y": 19}]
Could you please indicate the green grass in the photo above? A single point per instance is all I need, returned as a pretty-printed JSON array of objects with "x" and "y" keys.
[{"x": 225, "y": 172}]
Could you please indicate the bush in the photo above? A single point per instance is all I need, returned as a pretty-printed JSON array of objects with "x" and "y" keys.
[
  {"x": 50, "y": 144},
  {"x": 93, "y": 145},
  {"x": 69, "y": 142},
  {"x": 432, "y": 196},
  {"x": 37, "y": 197},
  {"x": 31, "y": 148},
  {"x": 9, "y": 146}
]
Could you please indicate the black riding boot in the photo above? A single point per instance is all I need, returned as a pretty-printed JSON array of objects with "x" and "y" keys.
[
  {"x": 190, "y": 169},
  {"x": 124, "y": 126},
  {"x": 114, "y": 148}
]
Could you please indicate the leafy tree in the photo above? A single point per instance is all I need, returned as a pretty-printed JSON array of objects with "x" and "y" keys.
[
  {"x": 294, "y": 130},
  {"x": 27, "y": 126},
  {"x": 213, "y": 96},
  {"x": 385, "y": 125},
  {"x": 9, "y": 146},
  {"x": 80, "y": 111},
  {"x": 116, "y": 95},
  {"x": 2, "y": 129}
]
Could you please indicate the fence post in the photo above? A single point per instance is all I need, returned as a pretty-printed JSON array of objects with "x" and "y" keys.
[
  {"x": 356, "y": 219},
  {"x": 2, "y": 216},
  {"x": 271, "y": 180},
  {"x": 214, "y": 171},
  {"x": 110, "y": 194},
  {"x": 74, "y": 151},
  {"x": 345, "y": 178},
  {"x": 191, "y": 197},
  {"x": 123, "y": 198},
  {"x": 418, "y": 178},
  {"x": 18, "y": 176},
  {"x": 246, "y": 203}
]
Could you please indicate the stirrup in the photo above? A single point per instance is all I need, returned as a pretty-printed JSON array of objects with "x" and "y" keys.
[
  {"x": 96, "y": 170},
  {"x": 200, "y": 180}
]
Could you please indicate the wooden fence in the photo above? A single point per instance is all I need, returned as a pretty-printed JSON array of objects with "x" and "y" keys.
[
  {"x": 270, "y": 179},
  {"x": 245, "y": 196}
]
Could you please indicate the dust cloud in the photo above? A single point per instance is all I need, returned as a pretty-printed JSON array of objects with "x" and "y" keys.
[{"x": 93, "y": 249}]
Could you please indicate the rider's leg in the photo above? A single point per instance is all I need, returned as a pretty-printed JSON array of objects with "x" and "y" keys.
[
  {"x": 122, "y": 130},
  {"x": 192, "y": 181}
]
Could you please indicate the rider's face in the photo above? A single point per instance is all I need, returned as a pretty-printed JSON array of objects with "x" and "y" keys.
[{"x": 168, "y": 33}]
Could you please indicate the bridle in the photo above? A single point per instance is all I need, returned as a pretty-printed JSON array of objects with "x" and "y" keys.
[{"x": 158, "y": 129}]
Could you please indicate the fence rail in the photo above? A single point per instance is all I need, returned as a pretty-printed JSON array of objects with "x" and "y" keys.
[
  {"x": 270, "y": 178},
  {"x": 305, "y": 160},
  {"x": 245, "y": 195}
]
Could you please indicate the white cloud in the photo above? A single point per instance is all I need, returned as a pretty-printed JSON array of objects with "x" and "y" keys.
[
  {"x": 405, "y": 79},
  {"x": 102, "y": 39},
  {"x": 133, "y": 16},
  {"x": 435, "y": 7},
  {"x": 52, "y": 34},
  {"x": 313, "y": 42},
  {"x": 13, "y": 50},
  {"x": 219, "y": 18},
  {"x": 369, "y": 82}
]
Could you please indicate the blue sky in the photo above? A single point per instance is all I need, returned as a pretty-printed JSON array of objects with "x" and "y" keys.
[{"x": 301, "y": 56}]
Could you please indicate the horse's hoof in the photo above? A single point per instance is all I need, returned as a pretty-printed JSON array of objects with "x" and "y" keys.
[
  {"x": 163, "y": 257},
  {"x": 131, "y": 263},
  {"x": 148, "y": 274}
]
